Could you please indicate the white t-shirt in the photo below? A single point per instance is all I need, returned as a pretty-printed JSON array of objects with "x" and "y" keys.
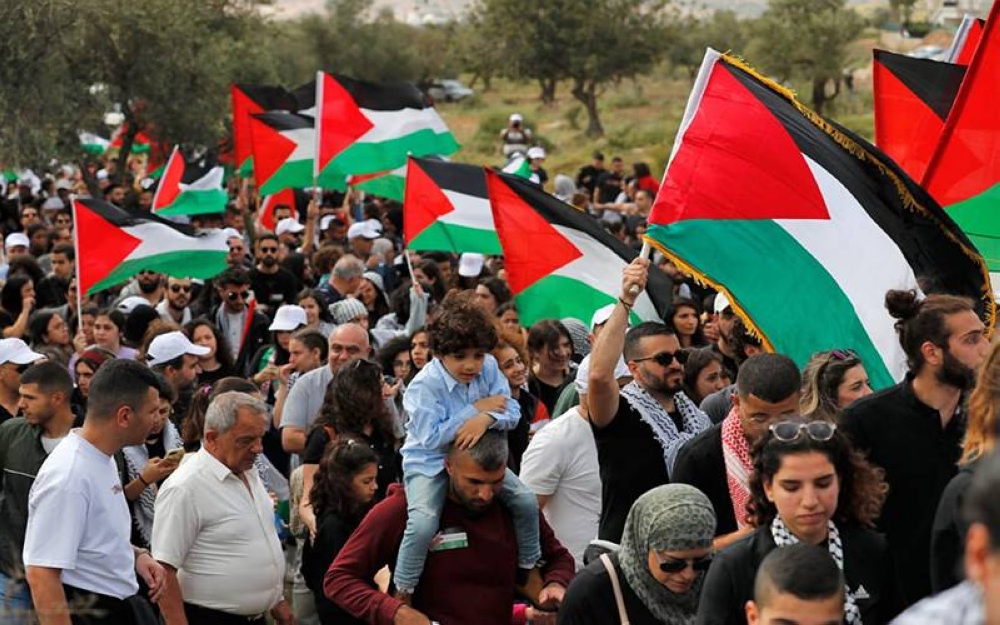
[
  {"x": 49, "y": 444},
  {"x": 78, "y": 520},
  {"x": 561, "y": 462}
]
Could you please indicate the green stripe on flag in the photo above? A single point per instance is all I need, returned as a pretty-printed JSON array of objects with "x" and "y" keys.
[
  {"x": 559, "y": 297},
  {"x": 796, "y": 327},
  {"x": 369, "y": 158},
  {"x": 389, "y": 185},
  {"x": 246, "y": 169},
  {"x": 182, "y": 264},
  {"x": 291, "y": 175},
  {"x": 979, "y": 217},
  {"x": 445, "y": 237},
  {"x": 197, "y": 203}
]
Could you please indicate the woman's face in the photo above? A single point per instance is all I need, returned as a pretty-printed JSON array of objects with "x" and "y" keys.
[
  {"x": 853, "y": 387},
  {"x": 160, "y": 419},
  {"x": 686, "y": 321},
  {"x": 556, "y": 358},
  {"x": 485, "y": 299},
  {"x": 28, "y": 290},
  {"x": 421, "y": 277},
  {"x": 301, "y": 357},
  {"x": 84, "y": 373},
  {"x": 57, "y": 332},
  {"x": 87, "y": 321},
  {"x": 364, "y": 483},
  {"x": 420, "y": 349},
  {"x": 512, "y": 366},
  {"x": 282, "y": 338},
  {"x": 106, "y": 333},
  {"x": 367, "y": 293},
  {"x": 511, "y": 320},
  {"x": 311, "y": 306},
  {"x": 204, "y": 337},
  {"x": 805, "y": 489},
  {"x": 401, "y": 365},
  {"x": 710, "y": 379},
  {"x": 681, "y": 581}
]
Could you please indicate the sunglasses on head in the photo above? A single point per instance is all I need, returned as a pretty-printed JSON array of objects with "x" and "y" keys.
[
  {"x": 234, "y": 296},
  {"x": 674, "y": 565},
  {"x": 790, "y": 431},
  {"x": 843, "y": 354},
  {"x": 665, "y": 358},
  {"x": 176, "y": 288}
]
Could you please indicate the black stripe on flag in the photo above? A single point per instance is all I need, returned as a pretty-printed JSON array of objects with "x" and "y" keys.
[
  {"x": 458, "y": 177},
  {"x": 125, "y": 218},
  {"x": 282, "y": 121},
  {"x": 936, "y": 83},
  {"x": 269, "y": 97}
]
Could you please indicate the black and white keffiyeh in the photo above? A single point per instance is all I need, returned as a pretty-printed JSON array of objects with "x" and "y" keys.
[
  {"x": 693, "y": 420},
  {"x": 136, "y": 458}
]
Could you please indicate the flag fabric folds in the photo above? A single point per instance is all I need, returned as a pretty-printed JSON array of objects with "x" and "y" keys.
[
  {"x": 803, "y": 225},
  {"x": 189, "y": 188},
  {"x": 248, "y": 100},
  {"x": 113, "y": 245},
  {"x": 284, "y": 145},
  {"x": 560, "y": 262}
]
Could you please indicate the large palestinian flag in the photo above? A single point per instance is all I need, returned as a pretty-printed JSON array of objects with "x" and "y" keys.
[
  {"x": 113, "y": 245},
  {"x": 248, "y": 100},
  {"x": 189, "y": 188},
  {"x": 367, "y": 128},
  {"x": 560, "y": 262},
  {"x": 284, "y": 145},
  {"x": 912, "y": 101},
  {"x": 803, "y": 225},
  {"x": 446, "y": 208},
  {"x": 964, "y": 172}
]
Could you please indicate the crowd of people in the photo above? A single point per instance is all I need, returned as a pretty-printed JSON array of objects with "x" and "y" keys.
[{"x": 318, "y": 436}]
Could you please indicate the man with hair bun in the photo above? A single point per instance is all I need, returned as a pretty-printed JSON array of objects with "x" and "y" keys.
[{"x": 914, "y": 430}]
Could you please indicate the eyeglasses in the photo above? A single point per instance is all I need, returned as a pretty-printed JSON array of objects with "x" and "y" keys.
[
  {"x": 234, "y": 296},
  {"x": 176, "y": 288},
  {"x": 790, "y": 431},
  {"x": 674, "y": 565},
  {"x": 268, "y": 250},
  {"x": 665, "y": 358}
]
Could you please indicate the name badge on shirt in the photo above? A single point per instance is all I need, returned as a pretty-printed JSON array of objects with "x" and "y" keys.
[{"x": 448, "y": 539}]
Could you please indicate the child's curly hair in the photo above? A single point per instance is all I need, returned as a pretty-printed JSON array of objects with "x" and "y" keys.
[{"x": 460, "y": 323}]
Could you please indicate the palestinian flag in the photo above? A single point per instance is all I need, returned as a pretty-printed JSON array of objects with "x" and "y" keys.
[
  {"x": 446, "y": 208},
  {"x": 189, "y": 188},
  {"x": 970, "y": 32},
  {"x": 560, "y": 262},
  {"x": 248, "y": 100},
  {"x": 113, "y": 245},
  {"x": 141, "y": 143},
  {"x": 912, "y": 101},
  {"x": 519, "y": 166},
  {"x": 296, "y": 199},
  {"x": 93, "y": 144},
  {"x": 964, "y": 172},
  {"x": 802, "y": 225},
  {"x": 367, "y": 128},
  {"x": 283, "y": 148},
  {"x": 387, "y": 184}
]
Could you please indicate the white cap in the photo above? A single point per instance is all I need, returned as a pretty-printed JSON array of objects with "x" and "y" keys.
[
  {"x": 289, "y": 317},
  {"x": 721, "y": 303},
  {"x": 516, "y": 117},
  {"x": 63, "y": 183},
  {"x": 53, "y": 204},
  {"x": 17, "y": 352},
  {"x": 536, "y": 152},
  {"x": 326, "y": 220},
  {"x": 582, "y": 371},
  {"x": 470, "y": 264},
  {"x": 171, "y": 346},
  {"x": 601, "y": 316},
  {"x": 288, "y": 224},
  {"x": 231, "y": 232},
  {"x": 367, "y": 229},
  {"x": 16, "y": 239},
  {"x": 129, "y": 304}
]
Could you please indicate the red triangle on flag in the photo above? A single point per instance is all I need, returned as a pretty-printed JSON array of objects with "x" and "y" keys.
[
  {"x": 243, "y": 108},
  {"x": 972, "y": 40},
  {"x": 736, "y": 161},
  {"x": 104, "y": 244},
  {"x": 423, "y": 201},
  {"x": 339, "y": 121},
  {"x": 265, "y": 218},
  {"x": 270, "y": 150},
  {"x": 532, "y": 247},
  {"x": 169, "y": 186}
]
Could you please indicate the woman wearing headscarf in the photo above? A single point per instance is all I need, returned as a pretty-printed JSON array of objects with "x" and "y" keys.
[{"x": 659, "y": 570}]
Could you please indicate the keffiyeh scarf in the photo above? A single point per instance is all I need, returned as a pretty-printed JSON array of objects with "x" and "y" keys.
[
  {"x": 136, "y": 458},
  {"x": 693, "y": 420},
  {"x": 739, "y": 466}
]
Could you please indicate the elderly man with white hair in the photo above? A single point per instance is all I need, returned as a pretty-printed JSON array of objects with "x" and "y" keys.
[{"x": 214, "y": 530}]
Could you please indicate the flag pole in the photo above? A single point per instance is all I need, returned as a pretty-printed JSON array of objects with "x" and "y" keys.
[
  {"x": 76, "y": 266},
  {"x": 644, "y": 253}
]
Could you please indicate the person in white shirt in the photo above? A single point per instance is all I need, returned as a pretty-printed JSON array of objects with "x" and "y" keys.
[
  {"x": 214, "y": 531},
  {"x": 76, "y": 546}
]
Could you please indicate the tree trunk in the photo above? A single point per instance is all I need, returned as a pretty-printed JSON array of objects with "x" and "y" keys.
[
  {"x": 586, "y": 94},
  {"x": 548, "y": 90},
  {"x": 819, "y": 94},
  {"x": 128, "y": 138}
]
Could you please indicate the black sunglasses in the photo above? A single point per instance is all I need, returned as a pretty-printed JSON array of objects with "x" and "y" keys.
[
  {"x": 790, "y": 431},
  {"x": 176, "y": 288},
  {"x": 665, "y": 358},
  {"x": 233, "y": 296},
  {"x": 674, "y": 565},
  {"x": 21, "y": 368},
  {"x": 268, "y": 250}
]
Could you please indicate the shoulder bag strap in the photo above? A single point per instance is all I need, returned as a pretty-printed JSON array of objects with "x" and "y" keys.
[{"x": 619, "y": 600}]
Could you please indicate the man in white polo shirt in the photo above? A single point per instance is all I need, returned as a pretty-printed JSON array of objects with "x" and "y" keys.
[
  {"x": 76, "y": 546},
  {"x": 214, "y": 530}
]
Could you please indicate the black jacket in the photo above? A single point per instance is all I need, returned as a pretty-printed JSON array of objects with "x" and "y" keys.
[
  {"x": 256, "y": 337},
  {"x": 948, "y": 533},
  {"x": 867, "y": 569},
  {"x": 700, "y": 464}
]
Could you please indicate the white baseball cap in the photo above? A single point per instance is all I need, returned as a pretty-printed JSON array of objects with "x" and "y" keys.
[
  {"x": 17, "y": 352},
  {"x": 129, "y": 304},
  {"x": 470, "y": 264},
  {"x": 171, "y": 346},
  {"x": 368, "y": 229},
  {"x": 16, "y": 239},
  {"x": 289, "y": 317},
  {"x": 601, "y": 316},
  {"x": 536, "y": 152},
  {"x": 721, "y": 303},
  {"x": 516, "y": 117},
  {"x": 288, "y": 224},
  {"x": 326, "y": 220}
]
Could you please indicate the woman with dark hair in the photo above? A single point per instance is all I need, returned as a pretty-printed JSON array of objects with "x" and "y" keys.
[
  {"x": 684, "y": 317},
  {"x": 428, "y": 273},
  {"x": 508, "y": 317},
  {"x": 87, "y": 363},
  {"x": 832, "y": 381},
  {"x": 809, "y": 485},
  {"x": 491, "y": 293},
  {"x": 510, "y": 355},
  {"x": 17, "y": 301},
  {"x": 420, "y": 352},
  {"x": 193, "y": 424},
  {"x": 218, "y": 362},
  {"x": 704, "y": 374},
  {"x": 343, "y": 491},
  {"x": 50, "y": 336},
  {"x": 354, "y": 406},
  {"x": 644, "y": 178},
  {"x": 109, "y": 328},
  {"x": 372, "y": 295},
  {"x": 551, "y": 348},
  {"x": 317, "y": 316}
]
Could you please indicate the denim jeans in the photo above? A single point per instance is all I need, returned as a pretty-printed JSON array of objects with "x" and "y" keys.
[
  {"x": 15, "y": 601},
  {"x": 425, "y": 498}
]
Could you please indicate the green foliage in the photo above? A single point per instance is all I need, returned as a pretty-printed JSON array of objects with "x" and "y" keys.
[{"x": 689, "y": 37}]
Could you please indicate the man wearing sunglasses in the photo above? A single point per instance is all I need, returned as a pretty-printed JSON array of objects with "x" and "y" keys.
[
  {"x": 174, "y": 307},
  {"x": 15, "y": 357},
  {"x": 640, "y": 427},
  {"x": 237, "y": 317},
  {"x": 272, "y": 284}
]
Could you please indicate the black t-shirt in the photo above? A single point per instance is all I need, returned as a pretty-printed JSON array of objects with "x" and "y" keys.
[
  {"x": 6, "y": 319},
  {"x": 389, "y": 464},
  {"x": 700, "y": 463},
  {"x": 546, "y": 393},
  {"x": 587, "y": 178},
  {"x": 5, "y": 414},
  {"x": 590, "y": 599},
  {"x": 609, "y": 185},
  {"x": 211, "y": 377},
  {"x": 332, "y": 533},
  {"x": 518, "y": 438},
  {"x": 631, "y": 462},
  {"x": 274, "y": 289}
]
